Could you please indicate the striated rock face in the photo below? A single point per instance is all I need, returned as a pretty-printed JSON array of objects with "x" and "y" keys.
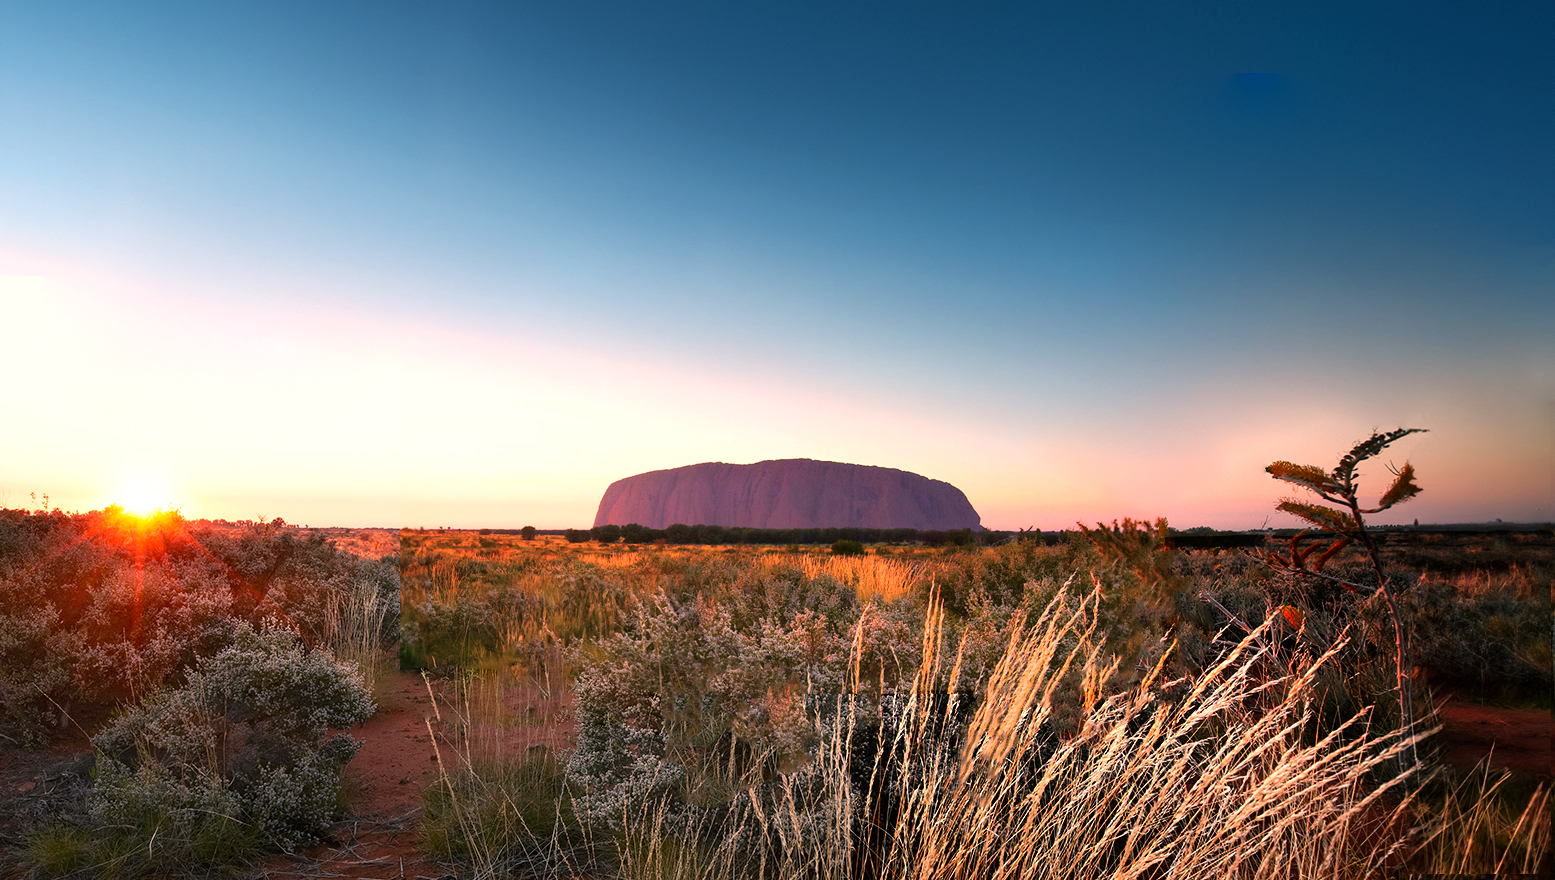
[{"x": 793, "y": 493}]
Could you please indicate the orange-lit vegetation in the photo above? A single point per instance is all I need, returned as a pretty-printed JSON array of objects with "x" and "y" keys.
[
  {"x": 183, "y": 648},
  {"x": 1086, "y": 709}
]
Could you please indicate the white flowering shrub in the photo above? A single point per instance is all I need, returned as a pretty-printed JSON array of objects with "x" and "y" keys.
[
  {"x": 293, "y": 804},
  {"x": 252, "y": 721},
  {"x": 697, "y": 693},
  {"x": 153, "y": 816},
  {"x": 31, "y": 666}
]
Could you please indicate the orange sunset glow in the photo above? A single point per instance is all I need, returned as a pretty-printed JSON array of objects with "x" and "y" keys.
[{"x": 144, "y": 494}]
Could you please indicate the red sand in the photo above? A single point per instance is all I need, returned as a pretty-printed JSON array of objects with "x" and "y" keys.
[
  {"x": 1515, "y": 739},
  {"x": 382, "y": 839}
]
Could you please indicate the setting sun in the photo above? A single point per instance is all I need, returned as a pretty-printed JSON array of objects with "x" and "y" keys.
[{"x": 144, "y": 494}]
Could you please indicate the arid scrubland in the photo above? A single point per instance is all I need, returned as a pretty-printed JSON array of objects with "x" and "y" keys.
[
  {"x": 1099, "y": 705},
  {"x": 1102, "y": 707},
  {"x": 212, "y": 668}
]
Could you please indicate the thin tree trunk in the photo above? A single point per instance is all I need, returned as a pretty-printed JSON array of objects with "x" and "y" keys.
[{"x": 1401, "y": 661}]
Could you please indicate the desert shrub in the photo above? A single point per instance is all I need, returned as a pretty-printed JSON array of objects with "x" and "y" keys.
[
  {"x": 148, "y": 822},
  {"x": 1489, "y": 640},
  {"x": 697, "y": 692},
  {"x": 458, "y": 633},
  {"x": 252, "y": 721},
  {"x": 101, "y": 608},
  {"x": 201, "y": 778},
  {"x": 998, "y": 575},
  {"x": 31, "y": 668},
  {"x": 847, "y": 548}
]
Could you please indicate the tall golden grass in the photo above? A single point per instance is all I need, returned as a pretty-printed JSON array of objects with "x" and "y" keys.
[
  {"x": 354, "y": 621},
  {"x": 1214, "y": 776},
  {"x": 499, "y": 802},
  {"x": 1478, "y": 829},
  {"x": 874, "y": 578},
  {"x": 1212, "y": 783}
]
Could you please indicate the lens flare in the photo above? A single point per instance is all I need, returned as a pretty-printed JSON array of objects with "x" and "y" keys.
[{"x": 144, "y": 494}]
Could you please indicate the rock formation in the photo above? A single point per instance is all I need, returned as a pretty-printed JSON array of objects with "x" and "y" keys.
[{"x": 794, "y": 493}]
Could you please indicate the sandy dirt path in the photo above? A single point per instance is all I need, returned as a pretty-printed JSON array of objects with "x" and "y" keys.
[{"x": 382, "y": 837}]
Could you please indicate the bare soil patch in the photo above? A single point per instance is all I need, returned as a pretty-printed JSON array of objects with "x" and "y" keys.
[
  {"x": 1515, "y": 739},
  {"x": 397, "y": 761},
  {"x": 32, "y": 785},
  {"x": 382, "y": 836}
]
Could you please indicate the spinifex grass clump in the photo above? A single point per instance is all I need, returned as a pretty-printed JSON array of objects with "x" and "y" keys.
[
  {"x": 501, "y": 803},
  {"x": 872, "y": 577},
  {"x": 509, "y": 816},
  {"x": 361, "y": 621},
  {"x": 1199, "y": 778},
  {"x": 1483, "y": 823}
]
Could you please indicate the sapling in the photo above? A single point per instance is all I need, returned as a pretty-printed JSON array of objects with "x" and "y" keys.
[{"x": 1340, "y": 522}]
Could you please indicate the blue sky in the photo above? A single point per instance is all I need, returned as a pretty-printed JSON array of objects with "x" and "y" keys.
[{"x": 440, "y": 264}]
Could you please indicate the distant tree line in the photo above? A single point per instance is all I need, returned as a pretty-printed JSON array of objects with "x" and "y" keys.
[
  {"x": 1197, "y": 538},
  {"x": 706, "y": 535}
]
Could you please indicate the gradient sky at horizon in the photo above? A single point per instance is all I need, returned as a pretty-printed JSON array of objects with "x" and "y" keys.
[{"x": 453, "y": 264}]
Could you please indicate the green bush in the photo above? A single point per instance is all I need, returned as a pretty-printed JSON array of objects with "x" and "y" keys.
[{"x": 204, "y": 775}]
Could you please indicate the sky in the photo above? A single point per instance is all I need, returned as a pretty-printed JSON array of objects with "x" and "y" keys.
[{"x": 388, "y": 264}]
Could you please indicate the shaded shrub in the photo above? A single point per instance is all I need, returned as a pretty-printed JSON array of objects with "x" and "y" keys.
[
  {"x": 847, "y": 548},
  {"x": 251, "y": 724}
]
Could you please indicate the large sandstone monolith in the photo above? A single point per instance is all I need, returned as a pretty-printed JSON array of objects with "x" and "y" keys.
[{"x": 793, "y": 493}]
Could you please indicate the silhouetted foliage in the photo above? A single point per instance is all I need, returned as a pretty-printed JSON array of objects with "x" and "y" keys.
[{"x": 1340, "y": 520}]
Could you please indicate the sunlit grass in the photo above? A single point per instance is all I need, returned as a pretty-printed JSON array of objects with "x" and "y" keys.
[
  {"x": 1203, "y": 778},
  {"x": 874, "y": 578},
  {"x": 1225, "y": 772}
]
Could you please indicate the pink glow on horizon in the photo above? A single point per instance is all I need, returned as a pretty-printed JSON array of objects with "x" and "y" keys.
[{"x": 318, "y": 412}]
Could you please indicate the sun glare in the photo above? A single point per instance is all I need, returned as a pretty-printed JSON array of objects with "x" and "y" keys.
[{"x": 144, "y": 494}]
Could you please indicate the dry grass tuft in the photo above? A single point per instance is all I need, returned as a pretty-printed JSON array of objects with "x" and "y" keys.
[
  {"x": 873, "y": 578},
  {"x": 1203, "y": 778}
]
